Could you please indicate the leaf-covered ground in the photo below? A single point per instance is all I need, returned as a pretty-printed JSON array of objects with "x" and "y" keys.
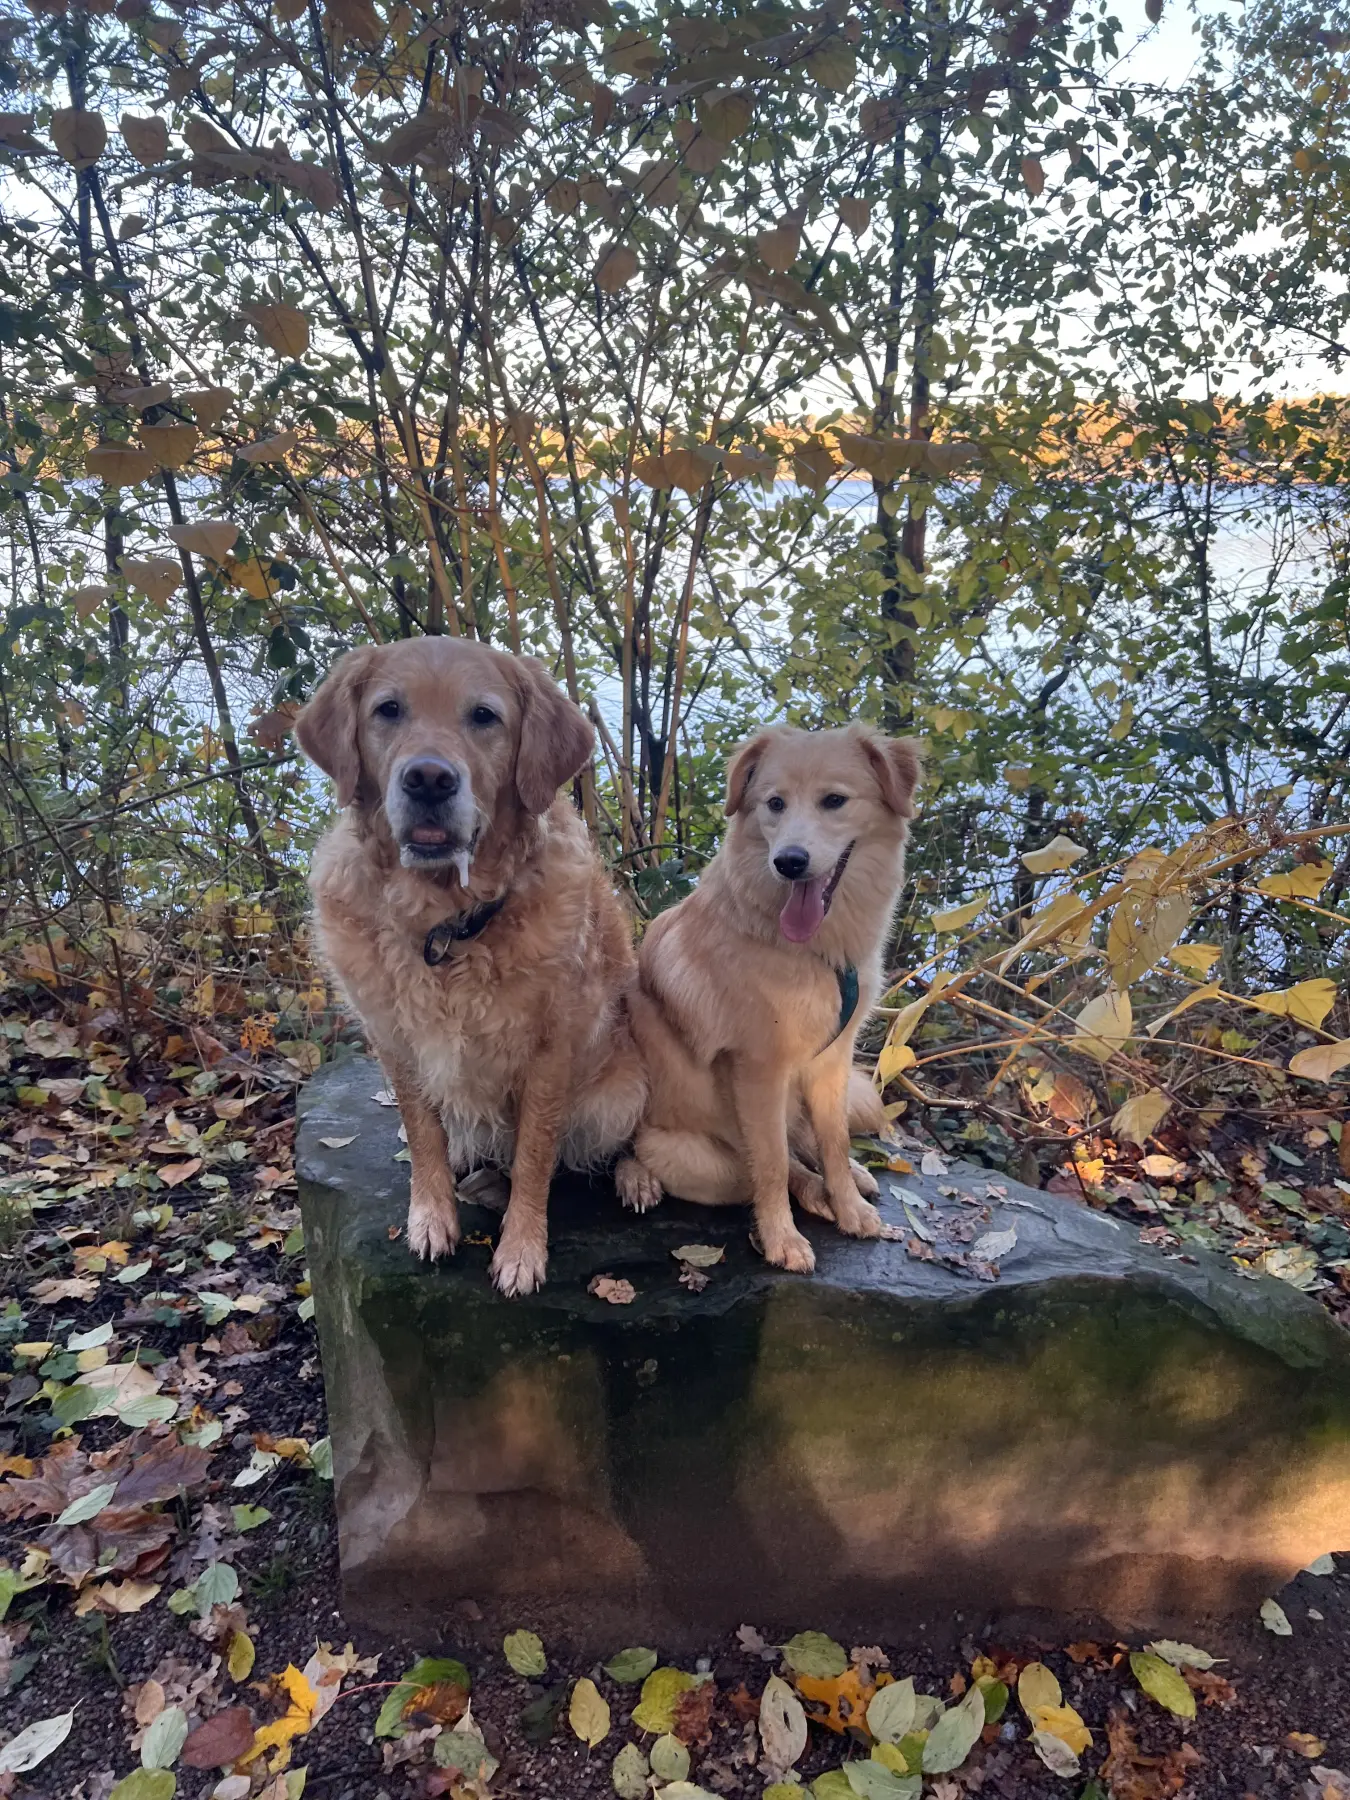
[{"x": 168, "y": 1580}]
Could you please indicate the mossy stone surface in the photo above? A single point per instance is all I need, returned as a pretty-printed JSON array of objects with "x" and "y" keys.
[{"x": 1104, "y": 1429}]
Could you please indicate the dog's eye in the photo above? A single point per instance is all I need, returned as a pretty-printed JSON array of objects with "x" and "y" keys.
[
  {"x": 776, "y": 803},
  {"x": 832, "y": 802},
  {"x": 483, "y": 715},
  {"x": 388, "y": 709}
]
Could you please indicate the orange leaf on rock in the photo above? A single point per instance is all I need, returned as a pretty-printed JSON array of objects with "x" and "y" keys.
[{"x": 844, "y": 1697}]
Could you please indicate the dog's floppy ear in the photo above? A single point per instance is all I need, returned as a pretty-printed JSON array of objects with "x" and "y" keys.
[
  {"x": 897, "y": 764},
  {"x": 326, "y": 729},
  {"x": 556, "y": 737},
  {"x": 741, "y": 771}
]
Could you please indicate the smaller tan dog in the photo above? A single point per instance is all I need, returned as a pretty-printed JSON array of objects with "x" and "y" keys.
[{"x": 753, "y": 988}]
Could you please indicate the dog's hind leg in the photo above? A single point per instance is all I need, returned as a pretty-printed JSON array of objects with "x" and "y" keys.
[{"x": 690, "y": 1165}]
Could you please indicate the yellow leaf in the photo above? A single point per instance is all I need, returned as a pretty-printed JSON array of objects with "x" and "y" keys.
[
  {"x": 1038, "y": 1687},
  {"x": 661, "y": 1691},
  {"x": 1058, "y": 854},
  {"x": 1120, "y": 730},
  {"x": 147, "y": 139},
  {"x": 79, "y": 136},
  {"x": 1196, "y": 959},
  {"x": 1104, "y": 1024},
  {"x": 1139, "y": 1118},
  {"x": 284, "y": 329},
  {"x": 296, "y": 1722},
  {"x": 1302, "y": 883},
  {"x": 588, "y": 1713},
  {"x": 89, "y": 598},
  {"x": 1161, "y": 1682},
  {"x": 241, "y": 1657},
  {"x": 1018, "y": 778},
  {"x": 209, "y": 405},
  {"x": 957, "y": 916},
  {"x": 1064, "y": 1723},
  {"x": 248, "y": 574},
  {"x": 894, "y": 1060},
  {"x": 1067, "y": 919},
  {"x": 170, "y": 445},
  {"x": 269, "y": 449},
  {"x": 1143, "y": 928},
  {"x": 1322, "y": 1061},
  {"x": 212, "y": 538},
  {"x": 1307, "y": 1002},
  {"x": 119, "y": 465}
]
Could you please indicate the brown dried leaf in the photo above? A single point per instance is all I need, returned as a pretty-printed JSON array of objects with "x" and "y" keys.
[
  {"x": 170, "y": 445},
  {"x": 81, "y": 137},
  {"x": 615, "y": 267},
  {"x": 119, "y": 465},
  {"x": 220, "y": 1740}
]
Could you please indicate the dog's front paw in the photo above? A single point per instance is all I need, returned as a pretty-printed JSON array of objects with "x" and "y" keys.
[
  {"x": 788, "y": 1249},
  {"x": 433, "y": 1224},
  {"x": 864, "y": 1180},
  {"x": 637, "y": 1187},
  {"x": 518, "y": 1265},
  {"x": 857, "y": 1219}
]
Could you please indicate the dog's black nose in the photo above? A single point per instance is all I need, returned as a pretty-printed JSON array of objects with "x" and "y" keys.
[
  {"x": 430, "y": 780},
  {"x": 792, "y": 863}
]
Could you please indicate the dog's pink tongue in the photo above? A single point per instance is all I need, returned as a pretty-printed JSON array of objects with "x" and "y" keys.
[{"x": 804, "y": 913}]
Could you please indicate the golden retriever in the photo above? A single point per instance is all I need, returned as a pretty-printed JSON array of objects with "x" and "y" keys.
[
  {"x": 463, "y": 910},
  {"x": 752, "y": 989}
]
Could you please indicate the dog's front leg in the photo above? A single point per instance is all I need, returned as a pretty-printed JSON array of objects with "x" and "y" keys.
[
  {"x": 760, "y": 1091},
  {"x": 825, "y": 1091},
  {"x": 433, "y": 1214},
  {"x": 522, "y": 1250}
]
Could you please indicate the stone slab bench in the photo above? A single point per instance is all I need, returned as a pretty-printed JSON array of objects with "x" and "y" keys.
[{"x": 1103, "y": 1430}]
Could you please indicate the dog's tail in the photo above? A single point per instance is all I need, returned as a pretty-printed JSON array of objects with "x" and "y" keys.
[{"x": 865, "y": 1115}]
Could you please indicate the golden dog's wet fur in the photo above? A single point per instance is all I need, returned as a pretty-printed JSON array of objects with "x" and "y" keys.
[
  {"x": 738, "y": 1025},
  {"x": 516, "y": 1050}
]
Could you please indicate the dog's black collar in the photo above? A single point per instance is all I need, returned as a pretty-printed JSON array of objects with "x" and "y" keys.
[{"x": 442, "y": 938}]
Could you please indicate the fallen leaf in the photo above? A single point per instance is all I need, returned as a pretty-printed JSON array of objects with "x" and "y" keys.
[
  {"x": 242, "y": 1655},
  {"x": 782, "y": 1724},
  {"x": 1182, "y": 1655},
  {"x": 617, "y": 1293},
  {"x": 669, "y": 1759},
  {"x": 1038, "y": 1686},
  {"x": 279, "y": 1735},
  {"x": 954, "y": 1736},
  {"x": 629, "y": 1774},
  {"x": 588, "y": 1714},
  {"x": 165, "y": 1738},
  {"x": 812, "y": 1653},
  {"x": 1274, "y": 1618},
  {"x": 655, "y": 1710},
  {"x": 629, "y": 1666},
  {"x": 524, "y": 1651},
  {"x": 1057, "y": 1756},
  {"x": 845, "y": 1698},
  {"x": 35, "y": 1743},
  {"x": 700, "y": 1256},
  {"x": 1163, "y": 1683},
  {"x": 220, "y": 1740},
  {"x": 1064, "y": 1723},
  {"x": 146, "y": 1784},
  {"x": 892, "y": 1711}
]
